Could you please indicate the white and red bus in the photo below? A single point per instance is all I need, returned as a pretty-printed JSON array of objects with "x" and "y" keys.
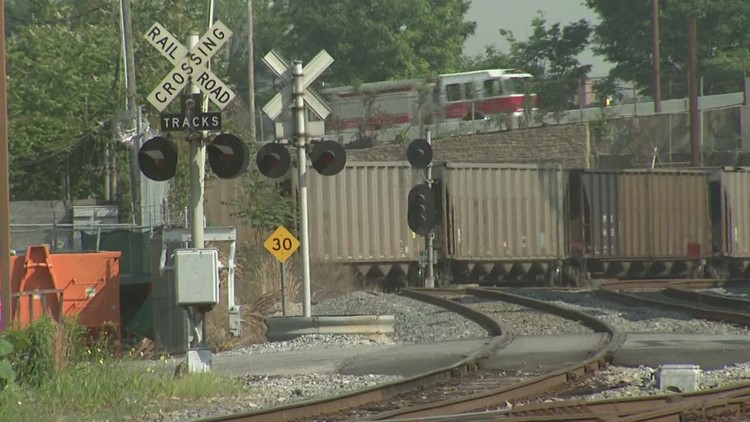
[{"x": 385, "y": 109}]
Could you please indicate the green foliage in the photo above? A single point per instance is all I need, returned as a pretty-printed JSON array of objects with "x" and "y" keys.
[
  {"x": 265, "y": 203},
  {"x": 66, "y": 375},
  {"x": 491, "y": 59},
  {"x": 378, "y": 39},
  {"x": 58, "y": 92},
  {"x": 550, "y": 54},
  {"x": 7, "y": 374},
  {"x": 33, "y": 356},
  {"x": 625, "y": 33}
]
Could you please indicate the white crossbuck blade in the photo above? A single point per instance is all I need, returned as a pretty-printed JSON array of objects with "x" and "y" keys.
[
  {"x": 190, "y": 65},
  {"x": 283, "y": 100}
]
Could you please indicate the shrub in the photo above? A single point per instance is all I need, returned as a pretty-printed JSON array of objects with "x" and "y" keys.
[{"x": 7, "y": 374}]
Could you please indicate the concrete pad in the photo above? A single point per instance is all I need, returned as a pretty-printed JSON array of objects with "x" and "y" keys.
[
  {"x": 410, "y": 360},
  {"x": 544, "y": 353},
  {"x": 315, "y": 361},
  {"x": 708, "y": 351}
]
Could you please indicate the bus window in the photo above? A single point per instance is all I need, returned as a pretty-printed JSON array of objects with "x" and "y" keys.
[
  {"x": 492, "y": 88},
  {"x": 453, "y": 92},
  {"x": 469, "y": 90},
  {"x": 515, "y": 86}
]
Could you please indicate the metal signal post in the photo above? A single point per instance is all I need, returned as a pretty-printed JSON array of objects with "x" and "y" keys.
[
  {"x": 298, "y": 93},
  {"x": 429, "y": 280},
  {"x": 328, "y": 157},
  {"x": 421, "y": 213}
]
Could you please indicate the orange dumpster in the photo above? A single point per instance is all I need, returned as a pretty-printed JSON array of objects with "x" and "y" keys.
[{"x": 84, "y": 285}]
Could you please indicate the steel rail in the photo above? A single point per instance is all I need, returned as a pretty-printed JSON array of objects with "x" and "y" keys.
[
  {"x": 611, "y": 409},
  {"x": 708, "y": 298},
  {"x": 309, "y": 409},
  {"x": 663, "y": 283},
  {"x": 712, "y": 314},
  {"x": 532, "y": 387}
]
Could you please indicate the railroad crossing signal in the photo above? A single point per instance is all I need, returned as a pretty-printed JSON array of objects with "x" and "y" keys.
[
  {"x": 283, "y": 100},
  {"x": 282, "y": 244},
  {"x": 189, "y": 65},
  {"x": 157, "y": 159},
  {"x": 419, "y": 153},
  {"x": 328, "y": 157},
  {"x": 421, "y": 212},
  {"x": 227, "y": 154},
  {"x": 273, "y": 160}
]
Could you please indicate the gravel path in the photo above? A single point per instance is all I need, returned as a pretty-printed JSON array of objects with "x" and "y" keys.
[{"x": 632, "y": 319}]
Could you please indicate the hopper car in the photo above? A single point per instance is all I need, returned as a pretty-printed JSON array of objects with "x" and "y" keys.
[{"x": 536, "y": 224}]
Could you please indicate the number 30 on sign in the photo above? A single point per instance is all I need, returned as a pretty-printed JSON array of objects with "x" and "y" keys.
[{"x": 282, "y": 244}]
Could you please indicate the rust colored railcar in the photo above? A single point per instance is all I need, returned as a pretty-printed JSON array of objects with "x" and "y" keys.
[{"x": 639, "y": 223}]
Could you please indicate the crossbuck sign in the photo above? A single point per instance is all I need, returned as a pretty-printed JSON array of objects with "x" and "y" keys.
[
  {"x": 190, "y": 65},
  {"x": 283, "y": 100}
]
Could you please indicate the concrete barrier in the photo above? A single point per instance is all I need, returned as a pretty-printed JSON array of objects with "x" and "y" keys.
[{"x": 287, "y": 328}]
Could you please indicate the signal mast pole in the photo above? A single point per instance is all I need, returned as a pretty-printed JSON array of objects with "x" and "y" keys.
[
  {"x": 298, "y": 93},
  {"x": 429, "y": 280}
]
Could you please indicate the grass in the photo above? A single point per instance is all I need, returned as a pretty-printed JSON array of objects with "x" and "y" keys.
[{"x": 67, "y": 376}]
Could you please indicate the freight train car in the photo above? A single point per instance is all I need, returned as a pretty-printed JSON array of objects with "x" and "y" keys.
[
  {"x": 358, "y": 217},
  {"x": 639, "y": 223},
  {"x": 504, "y": 222},
  {"x": 730, "y": 219},
  {"x": 528, "y": 223}
]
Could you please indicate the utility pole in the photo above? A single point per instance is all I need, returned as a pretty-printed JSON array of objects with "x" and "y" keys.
[
  {"x": 251, "y": 71},
  {"x": 656, "y": 55},
  {"x": 298, "y": 93},
  {"x": 5, "y": 270},
  {"x": 695, "y": 130},
  {"x": 131, "y": 106}
]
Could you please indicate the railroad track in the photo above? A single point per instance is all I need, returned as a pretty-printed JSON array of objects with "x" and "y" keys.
[
  {"x": 681, "y": 296},
  {"x": 459, "y": 388},
  {"x": 717, "y": 404},
  {"x": 490, "y": 390},
  {"x": 465, "y": 392}
]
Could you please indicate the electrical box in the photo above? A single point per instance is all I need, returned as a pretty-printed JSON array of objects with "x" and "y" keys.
[
  {"x": 684, "y": 377},
  {"x": 197, "y": 276}
]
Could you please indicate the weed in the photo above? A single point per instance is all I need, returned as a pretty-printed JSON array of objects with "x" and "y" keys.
[
  {"x": 195, "y": 386},
  {"x": 7, "y": 374}
]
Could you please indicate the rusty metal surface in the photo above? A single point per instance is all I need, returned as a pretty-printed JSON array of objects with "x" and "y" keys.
[
  {"x": 640, "y": 214},
  {"x": 505, "y": 211},
  {"x": 734, "y": 209},
  {"x": 361, "y": 213}
]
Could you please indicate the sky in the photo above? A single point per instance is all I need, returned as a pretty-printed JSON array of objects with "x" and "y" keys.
[{"x": 516, "y": 16}]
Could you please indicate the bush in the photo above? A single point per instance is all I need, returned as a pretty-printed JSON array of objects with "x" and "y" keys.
[{"x": 7, "y": 374}]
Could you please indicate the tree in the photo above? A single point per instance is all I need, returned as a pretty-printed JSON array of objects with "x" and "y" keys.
[
  {"x": 624, "y": 38},
  {"x": 491, "y": 59},
  {"x": 60, "y": 91},
  {"x": 550, "y": 54},
  {"x": 377, "y": 40}
]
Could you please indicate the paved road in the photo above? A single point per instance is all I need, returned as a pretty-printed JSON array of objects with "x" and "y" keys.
[{"x": 532, "y": 353}]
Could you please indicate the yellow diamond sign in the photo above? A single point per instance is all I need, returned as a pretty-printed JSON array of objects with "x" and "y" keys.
[{"x": 282, "y": 244}]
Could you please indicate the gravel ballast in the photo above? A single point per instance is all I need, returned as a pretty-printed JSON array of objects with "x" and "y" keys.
[
  {"x": 522, "y": 321},
  {"x": 418, "y": 323},
  {"x": 632, "y": 319}
]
